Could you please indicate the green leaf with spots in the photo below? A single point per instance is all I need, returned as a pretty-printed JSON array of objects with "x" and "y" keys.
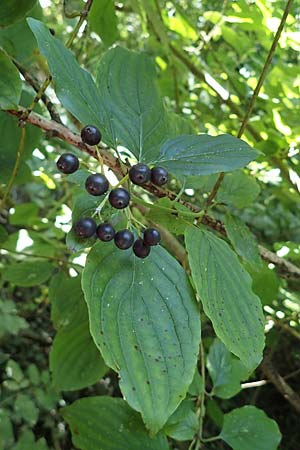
[
  {"x": 224, "y": 288},
  {"x": 105, "y": 423},
  {"x": 250, "y": 428},
  {"x": 145, "y": 320},
  {"x": 243, "y": 240},
  {"x": 204, "y": 155},
  {"x": 28, "y": 273}
]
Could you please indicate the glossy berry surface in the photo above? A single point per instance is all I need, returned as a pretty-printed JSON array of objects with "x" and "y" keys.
[
  {"x": 105, "y": 232},
  {"x": 140, "y": 249},
  {"x": 139, "y": 174},
  {"x": 85, "y": 227},
  {"x": 151, "y": 236},
  {"x": 96, "y": 184},
  {"x": 119, "y": 198},
  {"x": 124, "y": 239},
  {"x": 159, "y": 176},
  {"x": 91, "y": 135},
  {"x": 67, "y": 163}
]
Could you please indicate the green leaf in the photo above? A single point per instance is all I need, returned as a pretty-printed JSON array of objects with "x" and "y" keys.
[
  {"x": 6, "y": 431},
  {"x": 28, "y": 273},
  {"x": 27, "y": 442},
  {"x": 204, "y": 155},
  {"x": 172, "y": 217},
  {"x": 265, "y": 283},
  {"x": 250, "y": 428},
  {"x": 10, "y": 83},
  {"x": 242, "y": 240},
  {"x": 183, "y": 423},
  {"x": 144, "y": 319},
  {"x": 13, "y": 10},
  {"x": 133, "y": 109},
  {"x": 25, "y": 408},
  {"x": 3, "y": 234},
  {"x": 74, "y": 86},
  {"x": 196, "y": 387},
  {"x": 238, "y": 189},
  {"x": 103, "y": 20},
  {"x": 225, "y": 370},
  {"x": 75, "y": 361},
  {"x": 224, "y": 288},
  {"x": 24, "y": 214},
  {"x": 10, "y": 322},
  {"x": 105, "y": 423},
  {"x": 14, "y": 371}
]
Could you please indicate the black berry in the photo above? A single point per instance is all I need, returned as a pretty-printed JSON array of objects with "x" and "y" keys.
[
  {"x": 151, "y": 236},
  {"x": 159, "y": 176},
  {"x": 85, "y": 227},
  {"x": 140, "y": 249},
  {"x": 124, "y": 239},
  {"x": 139, "y": 174},
  {"x": 90, "y": 135},
  {"x": 96, "y": 184},
  {"x": 67, "y": 163},
  {"x": 105, "y": 232},
  {"x": 119, "y": 198}
]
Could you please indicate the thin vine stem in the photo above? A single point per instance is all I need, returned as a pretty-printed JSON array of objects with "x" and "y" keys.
[
  {"x": 15, "y": 169},
  {"x": 255, "y": 94}
]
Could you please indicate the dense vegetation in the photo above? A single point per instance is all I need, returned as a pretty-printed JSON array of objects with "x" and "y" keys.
[{"x": 189, "y": 343}]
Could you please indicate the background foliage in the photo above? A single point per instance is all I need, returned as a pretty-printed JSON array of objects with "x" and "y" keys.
[{"x": 202, "y": 61}]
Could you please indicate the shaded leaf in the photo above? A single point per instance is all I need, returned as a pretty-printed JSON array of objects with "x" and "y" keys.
[
  {"x": 28, "y": 273},
  {"x": 238, "y": 189},
  {"x": 144, "y": 319},
  {"x": 13, "y": 10},
  {"x": 183, "y": 423},
  {"x": 10, "y": 83},
  {"x": 103, "y": 20}
]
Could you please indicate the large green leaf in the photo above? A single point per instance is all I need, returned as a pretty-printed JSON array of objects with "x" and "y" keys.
[
  {"x": 238, "y": 189},
  {"x": 133, "y": 110},
  {"x": 28, "y": 273},
  {"x": 105, "y": 423},
  {"x": 144, "y": 319},
  {"x": 75, "y": 361},
  {"x": 10, "y": 83},
  {"x": 204, "y": 155},
  {"x": 250, "y": 428},
  {"x": 74, "y": 86},
  {"x": 224, "y": 288},
  {"x": 242, "y": 240},
  {"x": 226, "y": 371},
  {"x": 13, "y": 10},
  {"x": 103, "y": 20}
]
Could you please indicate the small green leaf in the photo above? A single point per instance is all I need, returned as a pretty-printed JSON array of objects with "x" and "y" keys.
[
  {"x": 27, "y": 442},
  {"x": 13, "y": 10},
  {"x": 204, "y": 155},
  {"x": 105, "y": 423},
  {"x": 144, "y": 319},
  {"x": 242, "y": 240},
  {"x": 25, "y": 408},
  {"x": 14, "y": 371},
  {"x": 3, "y": 234},
  {"x": 183, "y": 423},
  {"x": 238, "y": 189},
  {"x": 6, "y": 431},
  {"x": 103, "y": 20},
  {"x": 28, "y": 273},
  {"x": 196, "y": 387},
  {"x": 10, "y": 83},
  {"x": 24, "y": 214},
  {"x": 265, "y": 283},
  {"x": 224, "y": 288},
  {"x": 250, "y": 428},
  {"x": 133, "y": 109},
  {"x": 75, "y": 361},
  {"x": 74, "y": 86},
  {"x": 226, "y": 371},
  {"x": 10, "y": 322},
  {"x": 170, "y": 217}
]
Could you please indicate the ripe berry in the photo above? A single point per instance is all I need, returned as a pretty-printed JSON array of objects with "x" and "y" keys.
[
  {"x": 140, "y": 249},
  {"x": 85, "y": 227},
  {"x": 90, "y": 135},
  {"x": 124, "y": 239},
  {"x": 67, "y": 163},
  {"x": 96, "y": 184},
  {"x": 139, "y": 174},
  {"x": 105, "y": 232},
  {"x": 159, "y": 176},
  {"x": 151, "y": 236},
  {"x": 119, "y": 198}
]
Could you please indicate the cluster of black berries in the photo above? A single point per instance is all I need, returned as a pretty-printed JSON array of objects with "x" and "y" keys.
[{"x": 119, "y": 198}]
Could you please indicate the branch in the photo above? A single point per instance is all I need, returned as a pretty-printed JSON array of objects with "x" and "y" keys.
[{"x": 67, "y": 135}]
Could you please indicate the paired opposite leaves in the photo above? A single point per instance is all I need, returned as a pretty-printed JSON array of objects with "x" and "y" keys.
[
  {"x": 224, "y": 288},
  {"x": 204, "y": 155},
  {"x": 105, "y": 423},
  {"x": 144, "y": 319}
]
